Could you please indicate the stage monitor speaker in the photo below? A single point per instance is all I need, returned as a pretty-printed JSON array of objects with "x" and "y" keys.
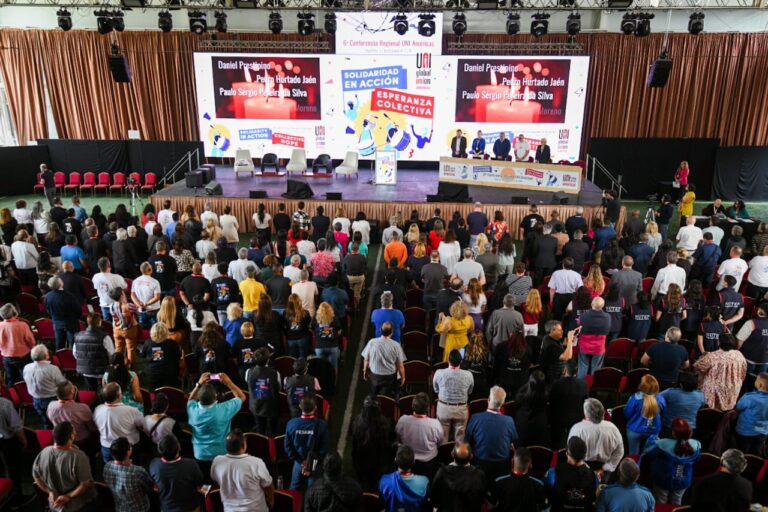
[
  {"x": 209, "y": 172},
  {"x": 453, "y": 193},
  {"x": 518, "y": 200},
  {"x": 433, "y": 198},
  {"x": 333, "y": 196},
  {"x": 257, "y": 194},
  {"x": 298, "y": 190},
  {"x": 559, "y": 198},
  {"x": 659, "y": 72},
  {"x": 121, "y": 71},
  {"x": 194, "y": 179},
  {"x": 213, "y": 189}
]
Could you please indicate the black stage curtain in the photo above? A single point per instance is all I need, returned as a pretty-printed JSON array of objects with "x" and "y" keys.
[
  {"x": 19, "y": 166},
  {"x": 741, "y": 173},
  {"x": 158, "y": 156},
  {"x": 648, "y": 166}
]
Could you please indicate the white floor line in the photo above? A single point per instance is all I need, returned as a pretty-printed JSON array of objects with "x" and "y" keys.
[{"x": 358, "y": 359}]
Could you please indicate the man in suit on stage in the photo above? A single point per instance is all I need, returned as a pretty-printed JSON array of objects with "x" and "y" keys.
[
  {"x": 459, "y": 145},
  {"x": 478, "y": 145},
  {"x": 501, "y": 147},
  {"x": 543, "y": 155}
]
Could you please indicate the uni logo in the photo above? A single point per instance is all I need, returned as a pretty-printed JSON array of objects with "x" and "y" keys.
[{"x": 423, "y": 61}]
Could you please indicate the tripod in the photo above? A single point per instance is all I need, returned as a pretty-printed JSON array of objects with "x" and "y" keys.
[{"x": 135, "y": 196}]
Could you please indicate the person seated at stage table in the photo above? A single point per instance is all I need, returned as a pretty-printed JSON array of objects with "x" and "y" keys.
[
  {"x": 543, "y": 155},
  {"x": 713, "y": 208},
  {"x": 459, "y": 145},
  {"x": 738, "y": 210},
  {"x": 478, "y": 145},
  {"x": 522, "y": 148},
  {"x": 501, "y": 147}
]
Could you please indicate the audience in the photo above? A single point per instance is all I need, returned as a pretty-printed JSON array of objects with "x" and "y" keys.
[
  {"x": 402, "y": 489},
  {"x": 459, "y": 486},
  {"x": 725, "y": 490},
  {"x": 244, "y": 481},
  {"x": 177, "y": 479},
  {"x": 626, "y": 494}
]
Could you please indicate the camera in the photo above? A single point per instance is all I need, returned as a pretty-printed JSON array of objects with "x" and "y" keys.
[{"x": 132, "y": 181}]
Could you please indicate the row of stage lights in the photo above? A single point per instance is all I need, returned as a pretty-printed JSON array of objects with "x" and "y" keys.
[{"x": 637, "y": 23}]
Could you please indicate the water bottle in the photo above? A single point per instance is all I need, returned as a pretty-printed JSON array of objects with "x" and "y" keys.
[{"x": 279, "y": 482}]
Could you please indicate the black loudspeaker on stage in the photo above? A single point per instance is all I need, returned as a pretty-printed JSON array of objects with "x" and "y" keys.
[
  {"x": 453, "y": 193},
  {"x": 213, "y": 189},
  {"x": 659, "y": 72},
  {"x": 121, "y": 71},
  {"x": 194, "y": 179},
  {"x": 257, "y": 194},
  {"x": 559, "y": 198},
  {"x": 333, "y": 196},
  {"x": 518, "y": 200},
  {"x": 298, "y": 190}
]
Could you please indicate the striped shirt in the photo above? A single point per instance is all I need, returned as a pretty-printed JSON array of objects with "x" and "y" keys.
[
  {"x": 383, "y": 356},
  {"x": 130, "y": 485},
  {"x": 453, "y": 385}
]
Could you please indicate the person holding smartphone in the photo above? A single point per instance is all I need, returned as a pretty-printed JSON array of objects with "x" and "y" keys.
[{"x": 555, "y": 354}]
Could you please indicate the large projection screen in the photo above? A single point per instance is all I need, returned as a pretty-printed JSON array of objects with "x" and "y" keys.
[{"x": 412, "y": 104}]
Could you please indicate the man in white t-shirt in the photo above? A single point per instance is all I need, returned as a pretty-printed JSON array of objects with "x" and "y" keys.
[
  {"x": 209, "y": 214},
  {"x": 150, "y": 225},
  {"x": 758, "y": 276},
  {"x": 468, "y": 268},
  {"x": 522, "y": 148},
  {"x": 245, "y": 482},
  {"x": 733, "y": 266},
  {"x": 305, "y": 246},
  {"x": 104, "y": 282},
  {"x": 689, "y": 236},
  {"x": 238, "y": 269},
  {"x": 307, "y": 292},
  {"x": 115, "y": 419},
  {"x": 293, "y": 271},
  {"x": 717, "y": 232},
  {"x": 165, "y": 216},
  {"x": 145, "y": 293}
]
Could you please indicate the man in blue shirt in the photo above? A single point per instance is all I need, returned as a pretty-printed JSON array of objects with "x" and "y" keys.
[
  {"x": 502, "y": 147},
  {"x": 752, "y": 426},
  {"x": 402, "y": 490},
  {"x": 477, "y": 220},
  {"x": 74, "y": 254},
  {"x": 705, "y": 259},
  {"x": 303, "y": 435},
  {"x": 336, "y": 297},
  {"x": 642, "y": 254},
  {"x": 491, "y": 435},
  {"x": 65, "y": 312},
  {"x": 388, "y": 314},
  {"x": 170, "y": 228},
  {"x": 210, "y": 419},
  {"x": 682, "y": 402},
  {"x": 80, "y": 213},
  {"x": 604, "y": 233},
  {"x": 626, "y": 494}
]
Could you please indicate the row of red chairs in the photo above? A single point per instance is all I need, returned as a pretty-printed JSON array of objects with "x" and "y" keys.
[{"x": 108, "y": 182}]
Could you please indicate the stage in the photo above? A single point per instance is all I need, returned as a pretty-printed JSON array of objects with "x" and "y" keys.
[{"x": 378, "y": 202}]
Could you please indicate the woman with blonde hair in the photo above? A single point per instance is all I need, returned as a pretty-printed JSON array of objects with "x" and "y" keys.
[
  {"x": 211, "y": 267},
  {"x": 478, "y": 360},
  {"x": 161, "y": 359},
  {"x": 594, "y": 281},
  {"x": 169, "y": 315},
  {"x": 328, "y": 334},
  {"x": 233, "y": 323},
  {"x": 476, "y": 302},
  {"x": 456, "y": 327},
  {"x": 416, "y": 262},
  {"x": 480, "y": 243},
  {"x": 643, "y": 413},
  {"x": 531, "y": 310},
  {"x": 654, "y": 237},
  {"x": 214, "y": 231},
  {"x": 296, "y": 325},
  {"x": 412, "y": 236}
]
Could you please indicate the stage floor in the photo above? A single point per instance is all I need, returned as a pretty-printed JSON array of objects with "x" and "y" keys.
[{"x": 413, "y": 186}]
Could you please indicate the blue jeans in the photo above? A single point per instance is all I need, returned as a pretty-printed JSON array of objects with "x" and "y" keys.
[
  {"x": 249, "y": 315},
  {"x": 41, "y": 406},
  {"x": 14, "y": 369},
  {"x": 430, "y": 301},
  {"x": 106, "y": 455},
  {"x": 589, "y": 363},
  {"x": 297, "y": 478},
  {"x": 299, "y": 347},
  {"x": 222, "y": 315},
  {"x": 329, "y": 354},
  {"x": 63, "y": 335},
  {"x": 279, "y": 311},
  {"x": 663, "y": 230},
  {"x": 636, "y": 442},
  {"x": 106, "y": 315},
  {"x": 756, "y": 369},
  {"x": 147, "y": 319}
]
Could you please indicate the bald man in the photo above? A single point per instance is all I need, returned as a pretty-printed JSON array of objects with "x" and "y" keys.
[
  {"x": 459, "y": 486},
  {"x": 73, "y": 283}
]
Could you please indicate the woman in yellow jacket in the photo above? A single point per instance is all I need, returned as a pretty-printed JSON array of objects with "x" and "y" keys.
[
  {"x": 686, "y": 203},
  {"x": 456, "y": 328}
]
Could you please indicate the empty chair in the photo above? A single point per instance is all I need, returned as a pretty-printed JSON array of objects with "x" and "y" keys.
[
  {"x": 38, "y": 186},
  {"x": 270, "y": 160},
  {"x": 323, "y": 164},
  {"x": 297, "y": 163},
  {"x": 103, "y": 182},
  {"x": 150, "y": 181},
  {"x": 89, "y": 181},
  {"x": 59, "y": 180},
  {"x": 349, "y": 165},
  {"x": 244, "y": 162},
  {"x": 74, "y": 182},
  {"x": 118, "y": 182}
]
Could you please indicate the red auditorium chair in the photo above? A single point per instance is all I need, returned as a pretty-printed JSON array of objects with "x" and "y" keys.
[
  {"x": 74, "y": 182},
  {"x": 213, "y": 501},
  {"x": 59, "y": 180},
  {"x": 478, "y": 405},
  {"x": 620, "y": 350},
  {"x": 415, "y": 319},
  {"x": 150, "y": 182},
  {"x": 118, "y": 182},
  {"x": 417, "y": 373},
  {"x": 541, "y": 460},
  {"x": 44, "y": 327},
  {"x": 284, "y": 365},
  {"x": 388, "y": 407},
  {"x": 606, "y": 380},
  {"x": 372, "y": 502},
  {"x": 67, "y": 361},
  {"x": 287, "y": 501},
  {"x": 259, "y": 446},
  {"x": 632, "y": 381},
  {"x": 177, "y": 401},
  {"x": 103, "y": 183},
  {"x": 38, "y": 186},
  {"x": 706, "y": 465},
  {"x": 89, "y": 181},
  {"x": 136, "y": 177}
]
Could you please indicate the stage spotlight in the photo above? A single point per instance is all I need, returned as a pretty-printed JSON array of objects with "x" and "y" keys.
[
  {"x": 332, "y": 4},
  {"x": 539, "y": 24},
  {"x": 400, "y": 24},
  {"x": 306, "y": 23},
  {"x": 64, "y": 19},
  {"x": 164, "y": 21},
  {"x": 221, "y": 21},
  {"x": 695, "y": 24},
  {"x": 628, "y": 24},
  {"x": 513, "y": 23},
  {"x": 330, "y": 23},
  {"x": 275, "y": 23},
  {"x": 403, "y": 4},
  {"x": 198, "y": 23},
  {"x": 573, "y": 24},
  {"x": 459, "y": 24},
  {"x": 644, "y": 24},
  {"x": 459, "y": 4},
  {"x": 118, "y": 23},
  {"x": 274, "y": 3},
  {"x": 103, "y": 22},
  {"x": 426, "y": 25}
]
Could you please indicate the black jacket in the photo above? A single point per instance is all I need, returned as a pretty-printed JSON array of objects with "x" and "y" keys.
[
  {"x": 543, "y": 252},
  {"x": 123, "y": 255},
  {"x": 459, "y": 489},
  {"x": 264, "y": 389},
  {"x": 92, "y": 357},
  {"x": 325, "y": 495}
]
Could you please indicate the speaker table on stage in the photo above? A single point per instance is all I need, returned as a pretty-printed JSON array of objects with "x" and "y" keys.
[{"x": 386, "y": 167}]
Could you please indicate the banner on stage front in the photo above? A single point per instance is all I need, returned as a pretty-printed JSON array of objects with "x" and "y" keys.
[
  {"x": 522, "y": 175},
  {"x": 373, "y": 33}
]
